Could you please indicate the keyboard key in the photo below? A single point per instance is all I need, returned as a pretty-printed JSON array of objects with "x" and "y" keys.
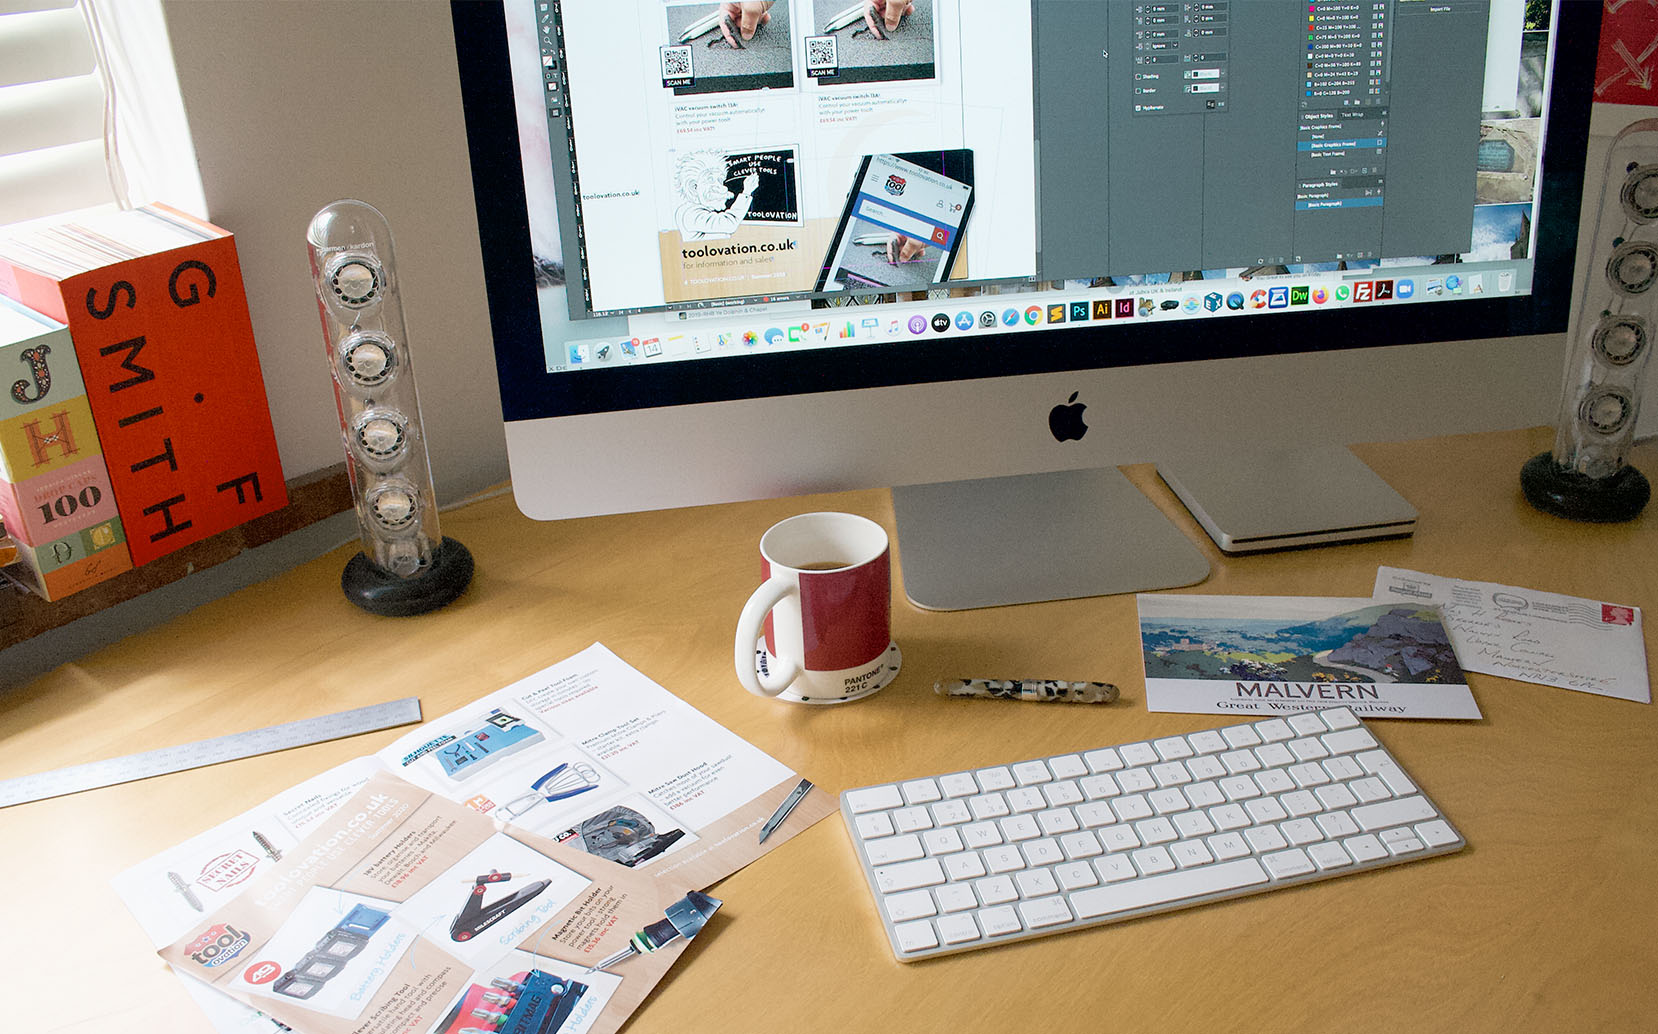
[
  {"x": 1062, "y": 794},
  {"x": 1152, "y": 860},
  {"x": 955, "y": 897},
  {"x": 1096, "y": 787},
  {"x": 1237, "y": 761},
  {"x": 1080, "y": 845},
  {"x": 1188, "y": 853},
  {"x": 1156, "y": 831},
  {"x": 942, "y": 841},
  {"x": 1135, "y": 780},
  {"x": 1131, "y": 807},
  {"x": 1334, "y": 797},
  {"x": 1364, "y": 848},
  {"x": 1138, "y": 754},
  {"x": 1171, "y": 773},
  {"x": 1042, "y": 852},
  {"x": 950, "y": 813},
  {"x": 1186, "y": 883},
  {"x": 893, "y": 849},
  {"x": 1035, "y": 883},
  {"x": 1095, "y": 813},
  {"x": 1301, "y": 831},
  {"x": 963, "y": 866},
  {"x": 876, "y": 798},
  {"x": 1284, "y": 864},
  {"x": 1029, "y": 773},
  {"x": 957, "y": 929},
  {"x": 981, "y": 834},
  {"x": 1118, "y": 838},
  {"x": 920, "y": 791},
  {"x": 1241, "y": 735},
  {"x": 912, "y": 904},
  {"x": 1202, "y": 795},
  {"x": 1274, "y": 729},
  {"x": 1337, "y": 824},
  {"x": 1115, "y": 868},
  {"x": 1068, "y": 766},
  {"x": 1076, "y": 875},
  {"x": 1437, "y": 833},
  {"x": 1349, "y": 741},
  {"x": 1193, "y": 824},
  {"x": 996, "y": 890},
  {"x": 1328, "y": 856},
  {"x": 1227, "y": 846},
  {"x": 1339, "y": 717},
  {"x": 1106, "y": 760},
  {"x": 999, "y": 921},
  {"x": 912, "y": 820},
  {"x": 1026, "y": 798},
  {"x": 915, "y": 936},
  {"x": 988, "y": 806},
  {"x": 1172, "y": 748},
  {"x": 1006, "y": 858},
  {"x": 875, "y": 824},
  {"x": 1055, "y": 821},
  {"x": 891, "y": 879},
  {"x": 1044, "y": 912},
  {"x": 1019, "y": 827},
  {"x": 997, "y": 778},
  {"x": 1382, "y": 814},
  {"x": 1207, "y": 742},
  {"x": 1306, "y": 723},
  {"x": 959, "y": 784}
]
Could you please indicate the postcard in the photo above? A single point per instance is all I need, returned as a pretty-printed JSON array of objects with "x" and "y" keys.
[
  {"x": 1533, "y": 636},
  {"x": 1262, "y": 655}
]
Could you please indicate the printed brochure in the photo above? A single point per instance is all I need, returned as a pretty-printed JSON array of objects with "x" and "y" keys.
[{"x": 495, "y": 853}]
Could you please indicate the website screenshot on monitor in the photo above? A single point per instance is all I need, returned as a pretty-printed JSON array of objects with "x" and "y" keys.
[{"x": 808, "y": 173}]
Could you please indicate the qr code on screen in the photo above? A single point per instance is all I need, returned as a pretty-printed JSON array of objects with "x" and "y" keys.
[
  {"x": 676, "y": 65},
  {"x": 820, "y": 55}
]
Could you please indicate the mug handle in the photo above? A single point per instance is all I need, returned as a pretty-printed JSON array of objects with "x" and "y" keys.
[{"x": 749, "y": 629}]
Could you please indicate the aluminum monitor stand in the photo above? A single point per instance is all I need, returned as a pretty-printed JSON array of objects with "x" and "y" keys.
[{"x": 1032, "y": 538}]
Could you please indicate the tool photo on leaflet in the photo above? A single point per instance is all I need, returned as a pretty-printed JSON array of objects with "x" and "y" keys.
[{"x": 475, "y": 917}]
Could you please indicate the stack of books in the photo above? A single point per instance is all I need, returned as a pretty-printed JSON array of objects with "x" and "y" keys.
[{"x": 138, "y": 422}]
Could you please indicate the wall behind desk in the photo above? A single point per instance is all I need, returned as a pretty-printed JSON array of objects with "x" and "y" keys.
[{"x": 296, "y": 104}]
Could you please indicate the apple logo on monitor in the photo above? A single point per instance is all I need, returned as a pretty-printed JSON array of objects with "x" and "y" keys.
[{"x": 1065, "y": 420}]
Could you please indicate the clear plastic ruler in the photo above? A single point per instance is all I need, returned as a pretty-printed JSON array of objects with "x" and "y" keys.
[{"x": 303, "y": 732}]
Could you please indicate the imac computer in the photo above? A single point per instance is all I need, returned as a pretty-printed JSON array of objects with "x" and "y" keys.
[{"x": 985, "y": 251}]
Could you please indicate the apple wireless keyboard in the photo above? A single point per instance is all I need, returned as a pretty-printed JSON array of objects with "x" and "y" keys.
[{"x": 1008, "y": 852}]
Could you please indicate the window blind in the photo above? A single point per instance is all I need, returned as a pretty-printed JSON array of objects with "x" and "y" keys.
[{"x": 53, "y": 112}]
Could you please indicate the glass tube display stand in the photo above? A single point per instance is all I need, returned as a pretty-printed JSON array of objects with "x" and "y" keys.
[
  {"x": 1585, "y": 476},
  {"x": 406, "y": 565}
]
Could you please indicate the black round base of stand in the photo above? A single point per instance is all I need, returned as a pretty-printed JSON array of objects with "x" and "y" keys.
[
  {"x": 1578, "y": 497},
  {"x": 377, "y": 592}
]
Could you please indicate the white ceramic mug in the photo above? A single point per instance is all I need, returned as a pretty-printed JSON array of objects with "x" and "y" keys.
[{"x": 824, "y": 609}]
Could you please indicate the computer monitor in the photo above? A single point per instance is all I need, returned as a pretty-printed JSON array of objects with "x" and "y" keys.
[{"x": 988, "y": 253}]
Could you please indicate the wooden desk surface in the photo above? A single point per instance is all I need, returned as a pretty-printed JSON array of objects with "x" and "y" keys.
[{"x": 1547, "y": 922}]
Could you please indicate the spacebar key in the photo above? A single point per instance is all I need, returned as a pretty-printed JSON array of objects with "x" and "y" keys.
[{"x": 1184, "y": 885}]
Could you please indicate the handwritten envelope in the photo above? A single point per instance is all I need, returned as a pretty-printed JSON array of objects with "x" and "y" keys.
[{"x": 1533, "y": 636}]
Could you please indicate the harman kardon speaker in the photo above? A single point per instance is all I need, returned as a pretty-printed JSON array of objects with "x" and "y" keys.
[
  {"x": 406, "y": 565},
  {"x": 1585, "y": 477}
]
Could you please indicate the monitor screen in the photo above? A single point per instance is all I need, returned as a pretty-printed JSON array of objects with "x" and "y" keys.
[{"x": 690, "y": 207}]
